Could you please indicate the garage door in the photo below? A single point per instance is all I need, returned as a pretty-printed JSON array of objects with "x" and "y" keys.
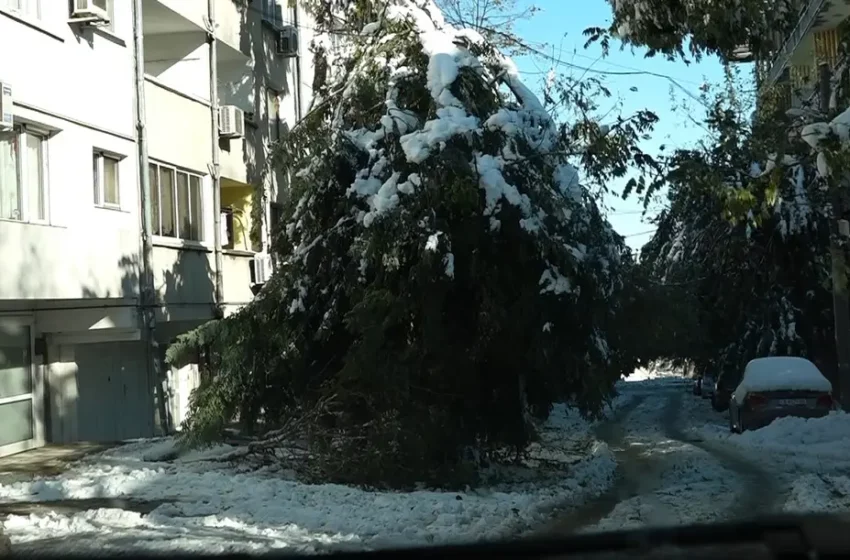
[
  {"x": 114, "y": 401},
  {"x": 18, "y": 415}
]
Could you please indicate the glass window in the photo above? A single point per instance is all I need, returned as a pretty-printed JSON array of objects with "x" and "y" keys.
[
  {"x": 111, "y": 192},
  {"x": 155, "y": 215},
  {"x": 166, "y": 201},
  {"x": 15, "y": 373},
  {"x": 29, "y": 8},
  {"x": 176, "y": 203},
  {"x": 96, "y": 179},
  {"x": 195, "y": 209},
  {"x": 184, "y": 221},
  {"x": 35, "y": 177},
  {"x": 107, "y": 191},
  {"x": 273, "y": 104},
  {"x": 10, "y": 195},
  {"x": 23, "y": 180},
  {"x": 16, "y": 422}
]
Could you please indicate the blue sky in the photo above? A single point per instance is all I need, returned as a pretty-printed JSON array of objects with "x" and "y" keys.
[{"x": 559, "y": 24}]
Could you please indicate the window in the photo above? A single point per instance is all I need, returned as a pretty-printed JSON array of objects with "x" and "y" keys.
[
  {"x": 28, "y": 8},
  {"x": 107, "y": 192},
  {"x": 176, "y": 203},
  {"x": 16, "y": 384},
  {"x": 273, "y": 12},
  {"x": 273, "y": 109},
  {"x": 275, "y": 217},
  {"x": 23, "y": 175}
]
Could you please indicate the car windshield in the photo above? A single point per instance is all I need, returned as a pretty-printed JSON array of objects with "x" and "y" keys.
[{"x": 321, "y": 276}]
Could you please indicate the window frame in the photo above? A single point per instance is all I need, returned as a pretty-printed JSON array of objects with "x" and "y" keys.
[
  {"x": 25, "y": 205},
  {"x": 24, "y": 11},
  {"x": 273, "y": 13},
  {"x": 156, "y": 188},
  {"x": 274, "y": 124},
  {"x": 98, "y": 172}
]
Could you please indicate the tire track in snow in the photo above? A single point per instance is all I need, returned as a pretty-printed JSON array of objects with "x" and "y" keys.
[
  {"x": 613, "y": 433},
  {"x": 719, "y": 484},
  {"x": 761, "y": 493}
]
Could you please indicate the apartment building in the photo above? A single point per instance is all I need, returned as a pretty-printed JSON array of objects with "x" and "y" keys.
[
  {"x": 80, "y": 353},
  {"x": 793, "y": 67}
]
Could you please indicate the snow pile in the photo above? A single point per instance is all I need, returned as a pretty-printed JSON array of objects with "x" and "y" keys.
[
  {"x": 803, "y": 435},
  {"x": 208, "y": 507}
]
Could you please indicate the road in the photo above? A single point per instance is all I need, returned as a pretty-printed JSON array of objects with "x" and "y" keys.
[{"x": 666, "y": 475}]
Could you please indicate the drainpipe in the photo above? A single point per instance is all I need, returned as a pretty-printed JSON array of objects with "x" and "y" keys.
[
  {"x": 215, "y": 167},
  {"x": 298, "y": 106},
  {"x": 148, "y": 293}
]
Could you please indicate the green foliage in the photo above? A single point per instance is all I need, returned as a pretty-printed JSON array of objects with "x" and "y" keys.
[
  {"x": 746, "y": 244},
  {"x": 409, "y": 338},
  {"x": 696, "y": 28}
]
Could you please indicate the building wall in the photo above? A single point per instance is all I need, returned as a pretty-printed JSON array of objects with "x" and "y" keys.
[
  {"x": 69, "y": 257},
  {"x": 76, "y": 277}
]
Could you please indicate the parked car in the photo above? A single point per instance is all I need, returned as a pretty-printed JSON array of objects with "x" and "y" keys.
[
  {"x": 775, "y": 387},
  {"x": 724, "y": 386},
  {"x": 709, "y": 381}
]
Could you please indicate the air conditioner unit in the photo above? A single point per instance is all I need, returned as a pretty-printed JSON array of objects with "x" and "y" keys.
[
  {"x": 90, "y": 11},
  {"x": 7, "y": 118},
  {"x": 261, "y": 269},
  {"x": 287, "y": 42},
  {"x": 231, "y": 122}
]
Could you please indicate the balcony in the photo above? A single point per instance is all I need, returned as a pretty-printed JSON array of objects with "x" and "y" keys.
[
  {"x": 83, "y": 261},
  {"x": 799, "y": 48},
  {"x": 178, "y": 127},
  {"x": 175, "y": 17}
]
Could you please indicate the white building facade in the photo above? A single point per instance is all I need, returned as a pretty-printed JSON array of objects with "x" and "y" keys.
[{"x": 80, "y": 352}]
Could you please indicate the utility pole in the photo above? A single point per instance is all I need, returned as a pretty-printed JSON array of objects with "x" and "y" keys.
[{"x": 839, "y": 232}]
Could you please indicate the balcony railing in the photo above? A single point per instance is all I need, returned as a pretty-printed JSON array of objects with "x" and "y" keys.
[{"x": 804, "y": 24}]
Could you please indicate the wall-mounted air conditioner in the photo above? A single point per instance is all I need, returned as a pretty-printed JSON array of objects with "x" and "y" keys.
[
  {"x": 261, "y": 269},
  {"x": 231, "y": 122},
  {"x": 287, "y": 42},
  {"x": 7, "y": 118},
  {"x": 90, "y": 11}
]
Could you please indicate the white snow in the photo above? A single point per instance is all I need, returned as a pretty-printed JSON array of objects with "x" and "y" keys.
[
  {"x": 213, "y": 506},
  {"x": 778, "y": 373}
]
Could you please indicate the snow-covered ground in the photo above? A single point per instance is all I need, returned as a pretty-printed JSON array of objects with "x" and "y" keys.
[
  {"x": 669, "y": 459},
  {"x": 209, "y": 505},
  {"x": 665, "y": 481},
  {"x": 810, "y": 456}
]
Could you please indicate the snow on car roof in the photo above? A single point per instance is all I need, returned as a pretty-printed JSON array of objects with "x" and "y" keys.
[{"x": 782, "y": 372}]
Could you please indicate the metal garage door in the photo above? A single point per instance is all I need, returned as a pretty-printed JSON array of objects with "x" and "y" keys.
[
  {"x": 114, "y": 400},
  {"x": 18, "y": 389}
]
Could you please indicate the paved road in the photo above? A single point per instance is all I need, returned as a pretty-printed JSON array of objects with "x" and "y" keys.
[{"x": 666, "y": 476}]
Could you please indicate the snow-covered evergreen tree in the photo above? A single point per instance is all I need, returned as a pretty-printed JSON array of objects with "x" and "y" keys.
[{"x": 445, "y": 275}]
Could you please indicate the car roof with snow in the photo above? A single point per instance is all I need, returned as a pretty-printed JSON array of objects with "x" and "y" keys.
[{"x": 783, "y": 372}]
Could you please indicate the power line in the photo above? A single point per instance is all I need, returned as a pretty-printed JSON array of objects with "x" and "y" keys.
[{"x": 647, "y": 232}]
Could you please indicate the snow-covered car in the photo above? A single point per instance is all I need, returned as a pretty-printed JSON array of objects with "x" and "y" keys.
[
  {"x": 709, "y": 381},
  {"x": 775, "y": 387}
]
